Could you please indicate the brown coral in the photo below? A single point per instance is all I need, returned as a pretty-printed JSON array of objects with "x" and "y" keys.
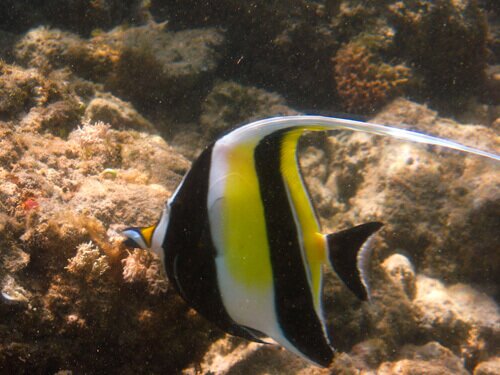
[
  {"x": 445, "y": 41},
  {"x": 143, "y": 266},
  {"x": 142, "y": 63},
  {"x": 88, "y": 262},
  {"x": 114, "y": 111},
  {"x": 21, "y": 89},
  {"x": 48, "y": 100},
  {"x": 364, "y": 83},
  {"x": 230, "y": 103},
  {"x": 53, "y": 309}
]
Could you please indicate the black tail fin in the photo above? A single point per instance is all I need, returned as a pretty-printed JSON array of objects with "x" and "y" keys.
[{"x": 349, "y": 252}]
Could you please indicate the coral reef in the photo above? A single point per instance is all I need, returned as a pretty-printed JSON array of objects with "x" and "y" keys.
[
  {"x": 12, "y": 292},
  {"x": 114, "y": 111},
  {"x": 469, "y": 314},
  {"x": 77, "y": 15},
  {"x": 466, "y": 196},
  {"x": 370, "y": 178},
  {"x": 489, "y": 367},
  {"x": 7, "y": 41},
  {"x": 431, "y": 358},
  {"x": 103, "y": 104},
  {"x": 146, "y": 64},
  {"x": 401, "y": 272},
  {"x": 88, "y": 262},
  {"x": 364, "y": 82},
  {"x": 27, "y": 90},
  {"x": 229, "y": 104},
  {"x": 457, "y": 29},
  {"x": 48, "y": 49},
  {"x": 289, "y": 52},
  {"x": 67, "y": 299},
  {"x": 143, "y": 266},
  {"x": 156, "y": 66}
]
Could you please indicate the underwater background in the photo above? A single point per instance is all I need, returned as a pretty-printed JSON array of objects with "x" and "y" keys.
[{"x": 104, "y": 104}]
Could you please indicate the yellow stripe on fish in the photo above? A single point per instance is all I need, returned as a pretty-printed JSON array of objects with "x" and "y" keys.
[
  {"x": 244, "y": 229},
  {"x": 313, "y": 241}
]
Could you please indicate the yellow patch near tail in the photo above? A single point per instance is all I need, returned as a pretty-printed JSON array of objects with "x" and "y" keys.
[{"x": 313, "y": 241}]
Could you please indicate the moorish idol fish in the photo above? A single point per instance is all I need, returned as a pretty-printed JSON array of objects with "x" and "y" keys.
[{"x": 240, "y": 241}]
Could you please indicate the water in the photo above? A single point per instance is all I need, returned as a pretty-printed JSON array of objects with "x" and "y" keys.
[{"x": 104, "y": 105}]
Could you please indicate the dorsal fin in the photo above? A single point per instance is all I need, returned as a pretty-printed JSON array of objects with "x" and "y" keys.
[{"x": 348, "y": 252}]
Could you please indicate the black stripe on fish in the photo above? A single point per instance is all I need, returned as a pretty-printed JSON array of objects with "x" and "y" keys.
[
  {"x": 190, "y": 252},
  {"x": 294, "y": 304}
]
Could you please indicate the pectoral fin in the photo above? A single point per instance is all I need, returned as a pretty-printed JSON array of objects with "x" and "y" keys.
[{"x": 349, "y": 254}]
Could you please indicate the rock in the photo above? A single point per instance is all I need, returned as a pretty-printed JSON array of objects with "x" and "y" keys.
[
  {"x": 323, "y": 192},
  {"x": 343, "y": 364},
  {"x": 114, "y": 111},
  {"x": 81, "y": 16},
  {"x": 401, "y": 272},
  {"x": 489, "y": 367},
  {"x": 189, "y": 141},
  {"x": 150, "y": 156},
  {"x": 62, "y": 201},
  {"x": 156, "y": 66},
  {"x": 472, "y": 316},
  {"x": 438, "y": 310},
  {"x": 475, "y": 112},
  {"x": 142, "y": 266},
  {"x": 368, "y": 354},
  {"x": 230, "y": 104},
  {"x": 222, "y": 356},
  {"x": 432, "y": 359},
  {"x": 25, "y": 90},
  {"x": 145, "y": 64},
  {"x": 402, "y": 184},
  {"x": 493, "y": 82},
  {"x": 16, "y": 259},
  {"x": 231, "y": 355},
  {"x": 418, "y": 39},
  {"x": 12, "y": 292},
  {"x": 289, "y": 52},
  {"x": 48, "y": 49},
  {"x": 392, "y": 317},
  {"x": 7, "y": 41},
  {"x": 496, "y": 124}
]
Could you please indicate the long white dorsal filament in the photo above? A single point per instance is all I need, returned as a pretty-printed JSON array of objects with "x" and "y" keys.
[{"x": 268, "y": 126}]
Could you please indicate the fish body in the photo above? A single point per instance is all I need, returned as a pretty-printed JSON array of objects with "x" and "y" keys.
[{"x": 240, "y": 241}]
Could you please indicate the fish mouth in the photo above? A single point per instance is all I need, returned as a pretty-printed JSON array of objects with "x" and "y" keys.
[{"x": 135, "y": 238}]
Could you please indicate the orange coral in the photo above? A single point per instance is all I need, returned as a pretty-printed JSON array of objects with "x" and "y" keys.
[
  {"x": 30, "y": 204},
  {"x": 363, "y": 83}
]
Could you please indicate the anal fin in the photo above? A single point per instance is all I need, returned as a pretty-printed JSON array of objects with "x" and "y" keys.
[
  {"x": 349, "y": 253},
  {"x": 257, "y": 335}
]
